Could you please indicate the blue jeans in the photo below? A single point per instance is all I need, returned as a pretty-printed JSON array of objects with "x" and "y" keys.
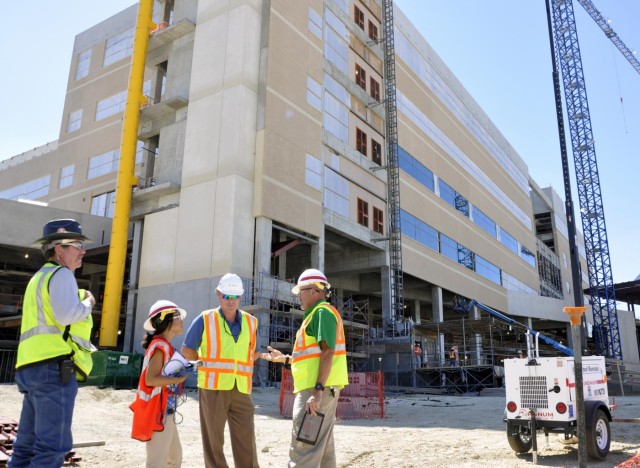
[{"x": 44, "y": 431}]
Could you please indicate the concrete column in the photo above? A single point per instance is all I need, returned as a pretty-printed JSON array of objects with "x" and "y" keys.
[
  {"x": 437, "y": 315},
  {"x": 476, "y": 344},
  {"x": 132, "y": 295},
  {"x": 416, "y": 311},
  {"x": 263, "y": 283},
  {"x": 317, "y": 256}
]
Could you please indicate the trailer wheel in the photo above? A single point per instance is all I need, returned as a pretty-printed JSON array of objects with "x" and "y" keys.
[
  {"x": 519, "y": 437},
  {"x": 599, "y": 437}
]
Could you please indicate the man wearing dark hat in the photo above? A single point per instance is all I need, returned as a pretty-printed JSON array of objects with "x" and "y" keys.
[{"x": 54, "y": 348}]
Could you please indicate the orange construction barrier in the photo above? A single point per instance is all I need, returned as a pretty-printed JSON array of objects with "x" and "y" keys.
[{"x": 363, "y": 398}]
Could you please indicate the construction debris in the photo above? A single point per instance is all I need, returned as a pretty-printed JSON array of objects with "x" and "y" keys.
[{"x": 8, "y": 431}]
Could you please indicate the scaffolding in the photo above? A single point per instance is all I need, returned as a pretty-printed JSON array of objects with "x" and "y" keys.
[{"x": 273, "y": 296}]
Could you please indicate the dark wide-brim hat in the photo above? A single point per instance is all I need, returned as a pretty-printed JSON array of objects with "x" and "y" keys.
[{"x": 61, "y": 230}]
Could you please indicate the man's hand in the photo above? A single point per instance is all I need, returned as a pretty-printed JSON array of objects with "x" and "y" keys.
[
  {"x": 313, "y": 403},
  {"x": 273, "y": 355},
  {"x": 88, "y": 295}
]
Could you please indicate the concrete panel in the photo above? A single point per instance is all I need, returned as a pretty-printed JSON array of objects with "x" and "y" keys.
[
  {"x": 538, "y": 307},
  {"x": 233, "y": 230},
  {"x": 238, "y": 132},
  {"x": 202, "y": 139},
  {"x": 158, "y": 248},
  {"x": 22, "y": 223},
  {"x": 195, "y": 229}
]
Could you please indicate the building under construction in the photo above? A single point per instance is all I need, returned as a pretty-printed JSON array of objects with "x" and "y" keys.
[{"x": 278, "y": 136}]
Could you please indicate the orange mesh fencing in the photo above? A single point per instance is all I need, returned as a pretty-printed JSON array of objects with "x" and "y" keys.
[{"x": 363, "y": 398}]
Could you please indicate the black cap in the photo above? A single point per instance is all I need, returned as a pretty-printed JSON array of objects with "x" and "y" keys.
[{"x": 59, "y": 229}]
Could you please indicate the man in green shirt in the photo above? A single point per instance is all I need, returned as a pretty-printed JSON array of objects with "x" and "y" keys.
[{"x": 319, "y": 369}]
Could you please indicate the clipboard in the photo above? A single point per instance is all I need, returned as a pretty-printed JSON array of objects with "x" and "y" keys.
[{"x": 310, "y": 428}]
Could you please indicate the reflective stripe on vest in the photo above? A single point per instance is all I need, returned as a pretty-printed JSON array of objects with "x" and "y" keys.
[
  {"x": 166, "y": 349},
  {"x": 306, "y": 353},
  {"x": 150, "y": 406},
  {"x": 40, "y": 334},
  {"x": 226, "y": 363}
]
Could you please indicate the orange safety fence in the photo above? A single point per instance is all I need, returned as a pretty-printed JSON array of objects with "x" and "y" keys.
[
  {"x": 633, "y": 462},
  {"x": 363, "y": 398}
]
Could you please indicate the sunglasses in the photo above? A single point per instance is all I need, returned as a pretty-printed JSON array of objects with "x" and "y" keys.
[
  {"x": 230, "y": 297},
  {"x": 77, "y": 245}
]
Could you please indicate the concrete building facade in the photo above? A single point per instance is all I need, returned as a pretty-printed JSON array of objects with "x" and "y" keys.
[{"x": 262, "y": 152}]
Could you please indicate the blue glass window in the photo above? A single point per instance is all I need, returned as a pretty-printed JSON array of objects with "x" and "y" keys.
[
  {"x": 415, "y": 169},
  {"x": 418, "y": 230},
  {"x": 449, "y": 247},
  {"x": 509, "y": 241},
  {"x": 488, "y": 270},
  {"x": 453, "y": 198},
  {"x": 484, "y": 221},
  {"x": 528, "y": 256}
]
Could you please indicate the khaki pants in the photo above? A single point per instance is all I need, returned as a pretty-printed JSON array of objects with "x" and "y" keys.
[
  {"x": 216, "y": 407},
  {"x": 323, "y": 453},
  {"x": 164, "y": 449}
]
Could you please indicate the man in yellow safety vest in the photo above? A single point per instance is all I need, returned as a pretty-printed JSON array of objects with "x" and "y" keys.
[
  {"x": 318, "y": 367},
  {"x": 224, "y": 341},
  {"x": 54, "y": 348}
]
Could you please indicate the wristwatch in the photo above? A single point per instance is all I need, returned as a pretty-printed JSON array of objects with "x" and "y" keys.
[{"x": 320, "y": 387}]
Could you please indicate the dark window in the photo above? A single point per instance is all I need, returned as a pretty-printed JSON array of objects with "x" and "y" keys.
[
  {"x": 376, "y": 152},
  {"x": 361, "y": 141},
  {"x": 378, "y": 220},
  {"x": 374, "y": 89},
  {"x": 363, "y": 213},
  {"x": 373, "y": 32},
  {"x": 358, "y": 17},
  {"x": 361, "y": 77}
]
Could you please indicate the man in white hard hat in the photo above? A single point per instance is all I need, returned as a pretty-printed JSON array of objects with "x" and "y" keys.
[
  {"x": 224, "y": 340},
  {"x": 319, "y": 369}
]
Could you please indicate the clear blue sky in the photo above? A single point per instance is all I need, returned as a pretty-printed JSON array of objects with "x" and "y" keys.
[{"x": 498, "y": 49}]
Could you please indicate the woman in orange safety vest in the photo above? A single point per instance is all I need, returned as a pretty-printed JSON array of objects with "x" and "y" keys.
[{"x": 154, "y": 406}]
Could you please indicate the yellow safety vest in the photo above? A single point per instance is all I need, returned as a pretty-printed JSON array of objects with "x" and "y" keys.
[
  {"x": 42, "y": 337},
  {"x": 226, "y": 363},
  {"x": 305, "y": 363}
]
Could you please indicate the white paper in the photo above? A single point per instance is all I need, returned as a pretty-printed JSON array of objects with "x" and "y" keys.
[{"x": 176, "y": 364}]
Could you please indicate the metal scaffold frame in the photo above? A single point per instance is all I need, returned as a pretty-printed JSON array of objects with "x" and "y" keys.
[{"x": 393, "y": 170}]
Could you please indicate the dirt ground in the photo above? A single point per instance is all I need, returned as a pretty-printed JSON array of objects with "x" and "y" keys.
[{"x": 417, "y": 431}]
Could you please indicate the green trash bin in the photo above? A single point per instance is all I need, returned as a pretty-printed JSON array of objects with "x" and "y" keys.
[{"x": 115, "y": 369}]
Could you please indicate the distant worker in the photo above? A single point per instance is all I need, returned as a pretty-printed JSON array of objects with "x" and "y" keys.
[
  {"x": 224, "y": 339},
  {"x": 453, "y": 357},
  {"x": 417, "y": 351},
  {"x": 318, "y": 367},
  {"x": 54, "y": 350},
  {"x": 520, "y": 354},
  {"x": 155, "y": 404}
]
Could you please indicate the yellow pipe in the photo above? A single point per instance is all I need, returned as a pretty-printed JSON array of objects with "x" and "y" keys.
[{"x": 126, "y": 180}]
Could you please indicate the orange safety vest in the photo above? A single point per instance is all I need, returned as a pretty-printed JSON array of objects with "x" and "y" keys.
[
  {"x": 226, "y": 363},
  {"x": 150, "y": 405}
]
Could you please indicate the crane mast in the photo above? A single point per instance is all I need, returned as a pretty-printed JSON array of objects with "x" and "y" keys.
[{"x": 601, "y": 286}]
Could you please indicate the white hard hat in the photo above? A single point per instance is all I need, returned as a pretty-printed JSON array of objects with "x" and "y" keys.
[
  {"x": 231, "y": 284},
  {"x": 311, "y": 276},
  {"x": 158, "y": 308}
]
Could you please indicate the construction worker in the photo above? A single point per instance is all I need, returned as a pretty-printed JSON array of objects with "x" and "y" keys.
[
  {"x": 224, "y": 340},
  {"x": 54, "y": 350},
  {"x": 155, "y": 405},
  {"x": 318, "y": 367}
]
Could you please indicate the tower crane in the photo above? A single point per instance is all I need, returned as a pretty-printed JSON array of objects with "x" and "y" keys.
[{"x": 601, "y": 286}]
